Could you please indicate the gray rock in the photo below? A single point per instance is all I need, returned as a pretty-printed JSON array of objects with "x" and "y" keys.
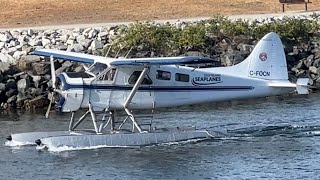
[
  {"x": 92, "y": 34},
  {"x": 80, "y": 38},
  {"x": 31, "y": 58},
  {"x": 2, "y": 45},
  {"x": 9, "y": 59},
  {"x": 35, "y": 42},
  {"x": 11, "y": 50},
  {"x": 86, "y": 31},
  {"x": 12, "y": 99},
  {"x": 37, "y": 102},
  {"x": 85, "y": 43},
  {"x": 79, "y": 69},
  {"x": 70, "y": 41},
  {"x": 19, "y": 48},
  {"x": 28, "y": 49},
  {"x": 76, "y": 48},
  {"x": 37, "y": 80},
  {"x": 313, "y": 70},
  {"x": 30, "y": 32},
  {"x": 245, "y": 48},
  {"x": 2, "y": 86},
  {"x": 4, "y": 66},
  {"x": 62, "y": 47},
  {"x": 4, "y": 37},
  {"x": 13, "y": 43},
  {"x": 45, "y": 41},
  {"x": 4, "y": 57},
  {"x": 95, "y": 44},
  {"x": 19, "y": 54},
  {"x": 60, "y": 70},
  {"x": 63, "y": 38},
  {"x": 41, "y": 68},
  {"x": 15, "y": 33},
  {"x": 23, "y": 84},
  {"x": 307, "y": 62},
  {"x": 11, "y": 84}
]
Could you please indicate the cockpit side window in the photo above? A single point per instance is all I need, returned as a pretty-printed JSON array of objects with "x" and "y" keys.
[
  {"x": 163, "y": 75},
  {"x": 109, "y": 75},
  {"x": 134, "y": 77}
]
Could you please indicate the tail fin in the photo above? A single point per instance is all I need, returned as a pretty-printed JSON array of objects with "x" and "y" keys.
[{"x": 268, "y": 60}]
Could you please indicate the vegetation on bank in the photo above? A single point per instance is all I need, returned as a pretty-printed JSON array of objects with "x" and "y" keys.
[{"x": 147, "y": 38}]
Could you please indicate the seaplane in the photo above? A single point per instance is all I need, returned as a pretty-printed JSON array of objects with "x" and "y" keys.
[{"x": 111, "y": 85}]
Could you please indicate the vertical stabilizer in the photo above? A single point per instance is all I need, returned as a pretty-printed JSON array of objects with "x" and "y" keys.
[{"x": 268, "y": 60}]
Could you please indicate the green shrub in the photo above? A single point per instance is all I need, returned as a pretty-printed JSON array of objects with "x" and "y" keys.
[{"x": 172, "y": 40}]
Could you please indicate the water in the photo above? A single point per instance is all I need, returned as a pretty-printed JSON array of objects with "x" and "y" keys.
[{"x": 255, "y": 148}]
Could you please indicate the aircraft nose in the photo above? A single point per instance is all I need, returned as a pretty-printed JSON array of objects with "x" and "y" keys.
[{"x": 9, "y": 138}]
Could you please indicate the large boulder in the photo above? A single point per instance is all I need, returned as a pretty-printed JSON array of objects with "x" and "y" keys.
[
  {"x": 41, "y": 68},
  {"x": 26, "y": 62}
]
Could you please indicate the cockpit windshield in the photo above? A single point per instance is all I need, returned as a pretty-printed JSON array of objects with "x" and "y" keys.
[{"x": 97, "y": 68}]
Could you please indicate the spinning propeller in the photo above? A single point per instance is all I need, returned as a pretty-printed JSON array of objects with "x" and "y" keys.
[{"x": 53, "y": 79}]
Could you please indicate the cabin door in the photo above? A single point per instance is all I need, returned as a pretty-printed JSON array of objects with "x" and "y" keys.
[{"x": 101, "y": 90}]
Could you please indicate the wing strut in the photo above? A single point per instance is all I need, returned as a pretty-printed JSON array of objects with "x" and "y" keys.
[{"x": 131, "y": 95}]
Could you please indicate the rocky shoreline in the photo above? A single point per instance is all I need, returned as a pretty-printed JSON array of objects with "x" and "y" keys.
[{"x": 25, "y": 80}]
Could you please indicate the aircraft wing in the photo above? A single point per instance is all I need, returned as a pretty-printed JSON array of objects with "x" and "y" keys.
[
  {"x": 161, "y": 61},
  {"x": 70, "y": 56}
]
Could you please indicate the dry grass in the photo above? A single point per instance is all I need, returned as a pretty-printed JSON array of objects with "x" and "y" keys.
[{"x": 17, "y": 13}]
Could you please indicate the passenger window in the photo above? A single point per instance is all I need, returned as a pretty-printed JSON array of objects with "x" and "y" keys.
[
  {"x": 163, "y": 75},
  {"x": 134, "y": 77},
  {"x": 182, "y": 77}
]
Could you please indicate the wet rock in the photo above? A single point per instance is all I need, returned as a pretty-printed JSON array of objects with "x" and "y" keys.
[
  {"x": 38, "y": 102},
  {"x": 12, "y": 101},
  {"x": 11, "y": 92},
  {"x": 2, "y": 86},
  {"x": 313, "y": 70}
]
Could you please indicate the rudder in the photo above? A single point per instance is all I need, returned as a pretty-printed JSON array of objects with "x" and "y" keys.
[{"x": 268, "y": 60}]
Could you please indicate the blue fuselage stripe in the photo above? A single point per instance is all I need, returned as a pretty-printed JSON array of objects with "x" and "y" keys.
[{"x": 161, "y": 88}]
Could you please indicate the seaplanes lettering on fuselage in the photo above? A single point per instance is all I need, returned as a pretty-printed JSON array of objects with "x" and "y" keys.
[
  {"x": 260, "y": 73},
  {"x": 207, "y": 79}
]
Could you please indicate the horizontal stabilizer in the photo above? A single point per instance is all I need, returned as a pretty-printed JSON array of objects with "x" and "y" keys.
[{"x": 301, "y": 85}]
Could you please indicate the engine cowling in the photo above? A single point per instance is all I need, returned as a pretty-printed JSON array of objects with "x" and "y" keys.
[{"x": 70, "y": 90}]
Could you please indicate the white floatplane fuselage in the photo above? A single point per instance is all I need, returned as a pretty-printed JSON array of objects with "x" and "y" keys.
[{"x": 111, "y": 84}]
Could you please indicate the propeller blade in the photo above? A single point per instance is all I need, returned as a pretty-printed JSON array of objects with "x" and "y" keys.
[
  {"x": 53, "y": 73},
  {"x": 49, "y": 107}
]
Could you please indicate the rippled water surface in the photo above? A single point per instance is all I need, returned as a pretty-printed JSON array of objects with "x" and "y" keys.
[{"x": 274, "y": 138}]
